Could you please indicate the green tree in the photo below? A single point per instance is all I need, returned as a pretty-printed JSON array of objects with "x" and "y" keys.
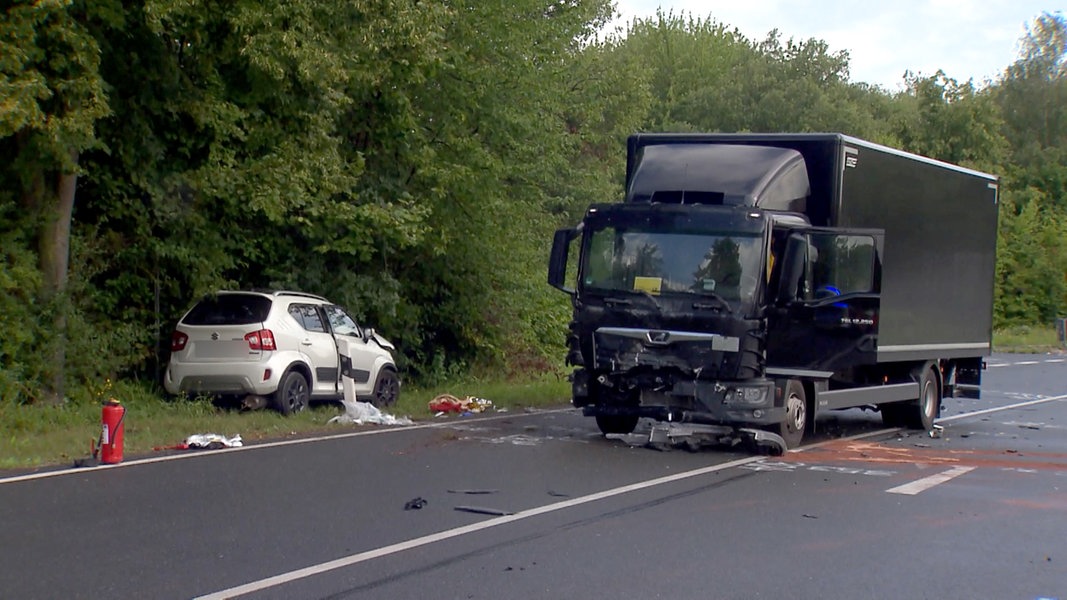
[{"x": 53, "y": 97}]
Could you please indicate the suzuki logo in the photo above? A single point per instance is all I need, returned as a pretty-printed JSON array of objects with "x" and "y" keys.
[
  {"x": 659, "y": 337},
  {"x": 215, "y": 336}
]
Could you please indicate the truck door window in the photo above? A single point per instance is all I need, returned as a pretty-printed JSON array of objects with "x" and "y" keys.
[{"x": 841, "y": 264}]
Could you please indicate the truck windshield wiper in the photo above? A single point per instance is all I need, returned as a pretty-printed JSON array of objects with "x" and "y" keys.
[{"x": 719, "y": 303}]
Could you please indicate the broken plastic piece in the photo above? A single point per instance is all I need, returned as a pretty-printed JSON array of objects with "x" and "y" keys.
[
  {"x": 415, "y": 503},
  {"x": 473, "y": 491}
]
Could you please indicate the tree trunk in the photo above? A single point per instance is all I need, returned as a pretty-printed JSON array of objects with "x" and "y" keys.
[{"x": 54, "y": 248}]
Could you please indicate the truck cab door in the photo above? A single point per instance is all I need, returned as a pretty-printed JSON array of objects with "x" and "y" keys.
[{"x": 824, "y": 314}]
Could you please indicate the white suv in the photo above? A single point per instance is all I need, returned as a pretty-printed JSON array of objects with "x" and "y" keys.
[{"x": 288, "y": 346}]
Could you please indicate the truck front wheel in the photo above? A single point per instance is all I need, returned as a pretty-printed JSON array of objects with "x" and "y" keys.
[
  {"x": 616, "y": 423},
  {"x": 797, "y": 414}
]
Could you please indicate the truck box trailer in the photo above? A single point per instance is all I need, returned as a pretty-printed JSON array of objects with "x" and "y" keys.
[{"x": 749, "y": 282}]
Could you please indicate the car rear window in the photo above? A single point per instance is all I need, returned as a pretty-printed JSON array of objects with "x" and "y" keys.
[{"x": 229, "y": 309}]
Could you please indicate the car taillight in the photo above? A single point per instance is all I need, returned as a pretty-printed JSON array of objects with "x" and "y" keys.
[
  {"x": 177, "y": 341},
  {"x": 261, "y": 340}
]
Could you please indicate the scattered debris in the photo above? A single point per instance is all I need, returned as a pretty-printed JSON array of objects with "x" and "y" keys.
[
  {"x": 365, "y": 413},
  {"x": 558, "y": 494},
  {"x": 212, "y": 441},
  {"x": 447, "y": 403},
  {"x": 936, "y": 431},
  {"x": 415, "y": 503},
  {"x": 807, "y": 516},
  {"x": 473, "y": 491},
  {"x": 484, "y": 511}
]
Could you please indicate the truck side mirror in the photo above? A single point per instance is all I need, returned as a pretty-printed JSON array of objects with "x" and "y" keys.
[
  {"x": 796, "y": 255},
  {"x": 557, "y": 262}
]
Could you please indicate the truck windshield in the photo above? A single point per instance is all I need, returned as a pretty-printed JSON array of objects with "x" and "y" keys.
[{"x": 725, "y": 265}]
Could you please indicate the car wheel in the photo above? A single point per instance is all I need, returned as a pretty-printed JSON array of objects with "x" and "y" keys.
[
  {"x": 386, "y": 388},
  {"x": 293, "y": 393}
]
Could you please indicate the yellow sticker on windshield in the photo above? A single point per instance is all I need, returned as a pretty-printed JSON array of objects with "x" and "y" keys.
[{"x": 651, "y": 285}]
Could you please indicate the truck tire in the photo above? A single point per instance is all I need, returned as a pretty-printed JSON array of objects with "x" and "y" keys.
[
  {"x": 921, "y": 413},
  {"x": 293, "y": 393},
  {"x": 616, "y": 423},
  {"x": 386, "y": 388},
  {"x": 797, "y": 414}
]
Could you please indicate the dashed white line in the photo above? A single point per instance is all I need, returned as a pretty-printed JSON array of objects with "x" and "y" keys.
[
  {"x": 1027, "y": 362},
  {"x": 921, "y": 485}
]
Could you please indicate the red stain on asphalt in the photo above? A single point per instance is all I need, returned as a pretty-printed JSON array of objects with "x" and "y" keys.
[{"x": 875, "y": 452}]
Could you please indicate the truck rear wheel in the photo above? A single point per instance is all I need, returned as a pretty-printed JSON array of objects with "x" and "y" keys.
[
  {"x": 797, "y": 414},
  {"x": 616, "y": 423},
  {"x": 921, "y": 413}
]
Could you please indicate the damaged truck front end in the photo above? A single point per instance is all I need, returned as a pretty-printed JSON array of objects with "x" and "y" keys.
[{"x": 668, "y": 319}]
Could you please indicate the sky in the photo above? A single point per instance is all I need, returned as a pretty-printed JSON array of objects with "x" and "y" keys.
[{"x": 967, "y": 39}]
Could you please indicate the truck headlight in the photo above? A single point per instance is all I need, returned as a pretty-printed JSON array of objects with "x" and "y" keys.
[{"x": 748, "y": 395}]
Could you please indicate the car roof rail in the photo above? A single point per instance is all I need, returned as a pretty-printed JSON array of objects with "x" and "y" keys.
[{"x": 295, "y": 293}]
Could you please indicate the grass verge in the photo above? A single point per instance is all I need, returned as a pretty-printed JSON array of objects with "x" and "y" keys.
[{"x": 36, "y": 436}]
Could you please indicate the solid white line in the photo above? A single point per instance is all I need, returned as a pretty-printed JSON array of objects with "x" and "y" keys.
[
  {"x": 1001, "y": 408},
  {"x": 354, "y": 559},
  {"x": 926, "y": 483},
  {"x": 284, "y": 578},
  {"x": 321, "y": 438}
]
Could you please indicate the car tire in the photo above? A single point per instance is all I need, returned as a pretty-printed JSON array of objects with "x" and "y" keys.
[
  {"x": 386, "y": 388},
  {"x": 293, "y": 393}
]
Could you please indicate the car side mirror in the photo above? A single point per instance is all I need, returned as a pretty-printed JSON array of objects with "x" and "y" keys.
[{"x": 368, "y": 334}]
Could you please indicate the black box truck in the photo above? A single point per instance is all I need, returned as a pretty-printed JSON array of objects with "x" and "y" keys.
[{"x": 750, "y": 282}]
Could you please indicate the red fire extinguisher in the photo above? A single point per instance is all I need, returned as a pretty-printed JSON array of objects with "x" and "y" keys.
[{"x": 111, "y": 433}]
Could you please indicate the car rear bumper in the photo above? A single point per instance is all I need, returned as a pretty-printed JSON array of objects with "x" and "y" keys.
[{"x": 258, "y": 378}]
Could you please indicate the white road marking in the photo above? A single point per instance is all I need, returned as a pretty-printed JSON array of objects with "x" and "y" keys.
[
  {"x": 926, "y": 483},
  {"x": 1055, "y": 360},
  {"x": 994, "y": 365},
  {"x": 1001, "y": 408},
  {"x": 1026, "y": 362},
  {"x": 321, "y": 438},
  {"x": 355, "y": 559}
]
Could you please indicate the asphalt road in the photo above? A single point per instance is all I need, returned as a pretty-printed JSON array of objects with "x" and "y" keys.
[{"x": 863, "y": 512}]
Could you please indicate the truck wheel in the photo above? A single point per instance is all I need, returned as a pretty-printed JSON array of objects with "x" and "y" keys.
[
  {"x": 616, "y": 423},
  {"x": 293, "y": 394},
  {"x": 921, "y": 413},
  {"x": 386, "y": 388},
  {"x": 796, "y": 414}
]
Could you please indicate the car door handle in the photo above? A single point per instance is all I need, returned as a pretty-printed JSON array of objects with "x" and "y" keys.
[{"x": 307, "y": 342}]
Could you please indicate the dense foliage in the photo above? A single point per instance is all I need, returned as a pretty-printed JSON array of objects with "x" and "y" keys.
[{"x": 410, "y": 161}]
